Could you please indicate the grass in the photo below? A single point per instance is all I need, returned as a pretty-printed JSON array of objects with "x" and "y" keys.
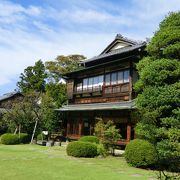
[{"x": 27, "y": 162}]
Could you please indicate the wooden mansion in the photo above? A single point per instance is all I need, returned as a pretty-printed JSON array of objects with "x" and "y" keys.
[{"x": 104, "y": 89}]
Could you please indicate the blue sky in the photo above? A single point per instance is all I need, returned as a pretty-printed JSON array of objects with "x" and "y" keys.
[{"x": 42, "y": 29}]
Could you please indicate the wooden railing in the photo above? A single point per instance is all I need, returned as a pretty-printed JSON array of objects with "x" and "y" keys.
[
  {"x": 116, "y": 88},
  {"x": 88, "y": 90},
  {"x": 105, "y": 90}
]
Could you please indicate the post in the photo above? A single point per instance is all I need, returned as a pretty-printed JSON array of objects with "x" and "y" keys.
[
  {"x": 130, "y": 80},
  {"x": 80, "y": 127},
  {"x": 34, "y": 131},
  {"x": 68, "y": 128},
  {"x": 128, "y": 132}
]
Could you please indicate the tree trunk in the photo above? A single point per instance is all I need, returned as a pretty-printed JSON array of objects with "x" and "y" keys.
[
  {"x": 34, "y": 131},
  {"x": 15, "y": 130},
  {"x": 19, "y": 131}
]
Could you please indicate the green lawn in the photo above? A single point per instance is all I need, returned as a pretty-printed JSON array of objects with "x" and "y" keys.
[{"x": 31, "y": 162}]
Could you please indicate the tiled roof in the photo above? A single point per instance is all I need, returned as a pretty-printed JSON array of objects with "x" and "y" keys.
[
  {"x": 8, "y": 95},
  {"x": 115, "y": 52},
  {"x": 99, "y": 106}
]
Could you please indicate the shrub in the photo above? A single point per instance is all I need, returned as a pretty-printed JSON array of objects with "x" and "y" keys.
[
  {"x": 91, "y": 139},
  {"x": 107, "y": 134},
  {"x": 24, "y": 138},
  {"x": 41, "y": 136},
  {"x": 140, "y": 153},
  {"x": 101, "y": 150},
  {"x": 9, "y": 139},
  {"x": 81, "y": 149}
]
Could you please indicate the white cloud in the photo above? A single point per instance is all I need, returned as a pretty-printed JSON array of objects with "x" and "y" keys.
[
  {"x": 89, "y": 16},
  {"x": 13, "y": 13},
  {"x": 32, "y": 32}
]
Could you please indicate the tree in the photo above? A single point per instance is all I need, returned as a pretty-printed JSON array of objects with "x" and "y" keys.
[
  {"x": 23, "y": 114},
  {"x": 59, "y": 67},
  {"x": 64, "y": 64},
  {"x": 57, "y": 92},
  {"x": 35, "y": 107},
  {"x": 159, "y": 93},
  {"x": 49, "y": 117},
  {"x": 107, "y": 133},
  {"x": 33, "y": 78}
]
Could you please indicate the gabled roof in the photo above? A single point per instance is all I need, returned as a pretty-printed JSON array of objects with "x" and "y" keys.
[
  {"x": 9, "y": 95},
  {"x": 119, "y": 39},
  {"x": 113, "y": 49}
]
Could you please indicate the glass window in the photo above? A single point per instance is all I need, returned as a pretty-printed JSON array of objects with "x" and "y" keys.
[
  {"x": 90, "y": 83},
  {"x": 95, "y": 81},
  {"x": 107, "y": 79},
  {"x": 79, "y": 87},
  {"x": 114, "y": 78},
  {"x": 120, "y": 77},
  {"x": 101, "y": 80},
  {"x": 85, "y": 83},
  {"x": 126, "y": 76}
]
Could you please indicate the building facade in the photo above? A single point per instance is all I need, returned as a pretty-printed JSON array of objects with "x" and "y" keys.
[{"x": 103, "y": 88}]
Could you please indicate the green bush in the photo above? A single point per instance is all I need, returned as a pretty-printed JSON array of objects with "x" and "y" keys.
[
  {"x": 140, "y": 153},
  {"x": 24, "y": 138},
  {"x": 41, "y": 137},
  {"x": 101, "y": 151},
  {"x": 81, "y": 149},
  {"x": 92, "y": 139},
  {"x": 9, "y": 139}
]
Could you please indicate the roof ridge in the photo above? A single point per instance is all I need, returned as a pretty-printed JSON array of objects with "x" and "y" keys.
[{"x": 120, "y": 36}]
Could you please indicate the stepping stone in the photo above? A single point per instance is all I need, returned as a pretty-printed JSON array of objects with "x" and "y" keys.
[{"x": 136, "y": 175}]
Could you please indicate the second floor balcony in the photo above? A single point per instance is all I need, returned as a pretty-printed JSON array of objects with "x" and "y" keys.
[
  {"x": 107, "y": 84},
  {"x": 103, "y": 90}
]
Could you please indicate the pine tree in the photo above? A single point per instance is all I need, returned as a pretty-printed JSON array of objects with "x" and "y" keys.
[
  {"x": 159, "y": 93},
  {"x": 33, "y": 78}
]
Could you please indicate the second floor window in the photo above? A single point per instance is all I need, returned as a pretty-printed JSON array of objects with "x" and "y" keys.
[
  {"x": 89, "y": 83},
  {"x": 96, "y": 82},
  {"x": 117, "y": 78}
]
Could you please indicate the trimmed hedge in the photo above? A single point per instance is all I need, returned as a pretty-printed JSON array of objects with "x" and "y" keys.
[
  {"x": 92, "y": 139},
  {"x": 140, "y": 153},
  {"x": 81, "y": 149},
  {"x": 10, "y": 139},
  {"x": 24, "y": 138}
]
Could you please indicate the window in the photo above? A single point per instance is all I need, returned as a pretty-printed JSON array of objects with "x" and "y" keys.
[
  {"x": 117, "y": 78},
  {"x": 120, "y": 77},
  {"x": 90, "y": 83},
  {"x": 126, "y": 76},
  {"x": 79, "y": 87},
  {"x": 85, "y": 84},
  {"x": 114, "y": 78},
  {"x": 95, "y": 81},
  {"x": 107, "y": 79},
  {"x": 101, "y": 80}
]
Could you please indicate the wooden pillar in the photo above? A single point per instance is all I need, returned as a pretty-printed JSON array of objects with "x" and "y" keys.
[
  {"x": 130, "y": 80},
  {"x": 80, "y": 127},
  {"x": 68, "y": 128},
  {"x": 128, "y": 132},
  {"x": 68, "y": 124}
]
